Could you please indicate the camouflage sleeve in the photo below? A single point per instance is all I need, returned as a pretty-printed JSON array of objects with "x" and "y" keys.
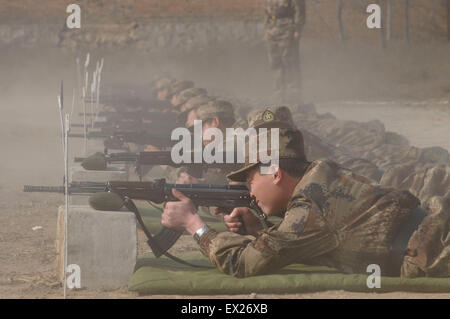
[
  {"x": 298, "y": 238},
  {"x": 300, "y": 14}
]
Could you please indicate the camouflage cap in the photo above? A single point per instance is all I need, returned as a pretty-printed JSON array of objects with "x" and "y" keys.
[
  {"x": 290, "y": 144},
  {"x": 219, "y": 108},
  {"x": 272, "y": 116},
  {"x": 179, "y": 86},
  {"x": 187, "y": 94},
  {"x": 164, "y": 83},
  {"x": 191, "y": 104},
  {"x": 197, "y": 101}
]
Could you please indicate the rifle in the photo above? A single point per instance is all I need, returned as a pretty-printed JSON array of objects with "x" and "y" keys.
[
  {"x": 117, "y": 139},
  {"x": 119, "y": 102},
  {"x": 158, "y": 158},
  {"x": 163, "y": 158},
  {"x": 118, "y": 118},
  {"x": 75, "y": 188},
  {"x": 138, "y": 125},
  {"x": 158, "y": 191}
]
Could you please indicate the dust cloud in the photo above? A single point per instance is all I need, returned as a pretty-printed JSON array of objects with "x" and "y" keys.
[{"x": 335, "y": 77}]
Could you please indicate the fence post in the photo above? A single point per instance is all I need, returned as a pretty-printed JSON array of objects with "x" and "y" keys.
[
  {"x": 339, "y": 17},
  {"x": 448, "y": 19},
  {"x": 389, "y": 19},
  {"x": 406, "y": 27}
]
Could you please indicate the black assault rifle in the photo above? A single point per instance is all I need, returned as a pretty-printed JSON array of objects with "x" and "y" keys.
[
  {"x": 158, "y": 191},
  {"x": 163, "y": 158},
  {"x": 117, "y": 139},
  {"x": 154, "y": 116},
  {"x": 111, "y": 127},
  {"x": 144, "y": 161}
]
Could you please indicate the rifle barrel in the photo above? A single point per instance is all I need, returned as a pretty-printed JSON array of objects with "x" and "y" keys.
[
  {"x": 43, "y": 189},
  {"x": 75, "y": 188}
]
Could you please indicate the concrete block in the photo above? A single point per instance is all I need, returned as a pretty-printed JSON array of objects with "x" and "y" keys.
[{"x": 102, "y": 244}]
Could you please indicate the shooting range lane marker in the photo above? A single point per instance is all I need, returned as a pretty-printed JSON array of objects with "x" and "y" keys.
[
  {"x": 61, "y": 118},
  {"x": 73, "y": 102},
  {"x": 85, "y": 90},
  {"x": 60, "y": 98},
  {"x": 97, "y": 74},
  {"x": 93, "y": 85},
  {"x": 84, "y": 121},
  {"x": 99, "y": 77},
  {"x": 78, "y": 82},
  {"x": 66, "y": 191}
]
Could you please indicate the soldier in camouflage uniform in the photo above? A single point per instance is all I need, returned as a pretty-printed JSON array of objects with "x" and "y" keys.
[
  {"x": 176, "y": 88},
  {"x": 284, "y": 23},
  {"x": 331, "y": 217},
  {"x": 215, "y": 114},
  {"x": 184, "y": 96},
  {"x": 171, "y": 173},
  {"x": 162, "y": 88}
]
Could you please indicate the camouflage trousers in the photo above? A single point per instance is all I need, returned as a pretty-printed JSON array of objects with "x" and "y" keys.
[
  {"x": 428, "y": 251},
  {"x": 284, "y": 60}
]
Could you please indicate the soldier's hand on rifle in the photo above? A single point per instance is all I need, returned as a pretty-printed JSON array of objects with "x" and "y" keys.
[
  {"x": 181, "y": 215},
  {"x": 242, "y": 216}
]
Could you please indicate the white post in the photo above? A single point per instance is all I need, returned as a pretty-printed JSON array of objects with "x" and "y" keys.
[
  {"x": 93, "y": 84},
  {"x": 73, "y": 102},
  {"x": 339, "y": 17},
  {"x": 61, "y": 118},
  {"x": 66, "y": 191},
  {"x": 84, "y": 121},
  {"x": 78, "y": 82},
  {"x": 99, "y": 78}
]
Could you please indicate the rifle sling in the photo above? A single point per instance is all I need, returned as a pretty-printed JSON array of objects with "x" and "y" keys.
[{"x": 153, "y": 242}]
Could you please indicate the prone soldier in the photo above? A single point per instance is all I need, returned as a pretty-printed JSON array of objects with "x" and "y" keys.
[{"x": 330, "y": 216}]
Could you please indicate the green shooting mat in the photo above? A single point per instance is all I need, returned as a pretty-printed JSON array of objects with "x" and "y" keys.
[{"x": 163, "y": 276}]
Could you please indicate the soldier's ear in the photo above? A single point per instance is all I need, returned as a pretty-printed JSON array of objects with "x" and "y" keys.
[
  {"x": 278, "y": 174},
  {"x": 215, "y": 122}
]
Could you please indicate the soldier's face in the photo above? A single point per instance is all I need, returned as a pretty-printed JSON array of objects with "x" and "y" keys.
[
  {"x": 191, "y": 117},
  {"x": 162, "y": 94},
  {"x": 175, "y": 100},
  {"x": 212, "y": 123},
  {"x": 267, "y": 191}
]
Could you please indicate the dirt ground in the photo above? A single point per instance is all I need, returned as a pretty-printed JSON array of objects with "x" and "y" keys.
[{"x": 408, "y": 89}]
